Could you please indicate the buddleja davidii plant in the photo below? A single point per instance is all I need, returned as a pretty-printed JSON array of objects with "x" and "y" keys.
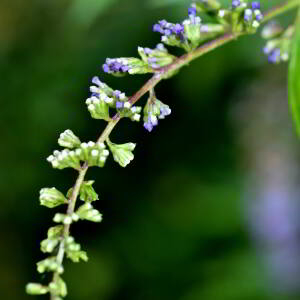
[{"x": 196, "y": 39}]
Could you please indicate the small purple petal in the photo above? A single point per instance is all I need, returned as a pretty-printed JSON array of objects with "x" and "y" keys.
[
  {"x": 167, "y": 32},
  {"x": 148, "y": 126},
  {"x": 235, "y": 3},
  {"x": 147, "y": 51},
  {"x": 274, "y": 56},
  {"x": 247, "y": 18},
  {"x": 106, "y": 68},
  {"x": 124, "y": 68},
  {"x": 255, "y": 5},
  {"x": 192, "y": 11},
  {"x": 119, "y": 104},
  {"x": 152, "y": 60},
  {"x": 163, "y": 23},
  {"x": 156, "y": 28},
  {"x": 117, "y": 93},
  {"x": 96, "y": 80},
  {"x": 259, "y": 17}
]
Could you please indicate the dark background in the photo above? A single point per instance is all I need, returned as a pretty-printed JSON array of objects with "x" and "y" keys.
[{"x": 209, "y": 207}]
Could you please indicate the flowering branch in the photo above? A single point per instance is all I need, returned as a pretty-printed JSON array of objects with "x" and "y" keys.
[{"x": 239, "y": 20}]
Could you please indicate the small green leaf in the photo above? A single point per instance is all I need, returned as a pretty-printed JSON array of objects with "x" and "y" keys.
[
  {"x": 68, "y": 139},
  {"x": 294, "y": 77},
  {"x": 87, "y": 193}
]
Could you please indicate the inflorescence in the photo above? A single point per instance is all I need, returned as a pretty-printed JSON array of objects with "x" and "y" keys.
[{"x": 241, "y": 18}]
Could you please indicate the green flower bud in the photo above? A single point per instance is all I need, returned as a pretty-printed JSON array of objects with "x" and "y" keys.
[
  {"x": 53, "y": 236},
  {"x": 74, "y": 251},
  {"x": 93, "y": 154},
  {"x": 98, "y": 108},
  {"x": 87, "y": 212},
  {"x": 64, "y": 159},
  {"x": 36, "y": 289},
  {"x": 49, "y": 265},
  {"x": 51, "y": 197},
  {"x": 87, "y": 193},
  {"x": 68, "y": 139},
  {"x": 65, "y": 219},
  {"x": 58, "y": 287},
  {"x": 156, "y": 58},
  {"x": 122, "y": 153}
]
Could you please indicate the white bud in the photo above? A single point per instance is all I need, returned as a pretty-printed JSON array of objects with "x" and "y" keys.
[{"x": 127, "y": 104}]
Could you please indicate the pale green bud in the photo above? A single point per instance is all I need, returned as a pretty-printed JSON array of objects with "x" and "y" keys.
[
  {"x": 62, "y": 218},
  {"x": 68, "y": 139},
  {"x": 53, "y": 236},
  {"x": 87, "y": 193},
  {"x": 51, "y": 197},
  {"x": 58, "y": 287},
  {"x": 98, "y": 108},
  {"x": 49, "y": 265},
  {"x": 87, "y": 212},
  {"x": 122, "y": 153},
  {"x": 36, "y": 289},
  {"x": 64, "y": 159}
]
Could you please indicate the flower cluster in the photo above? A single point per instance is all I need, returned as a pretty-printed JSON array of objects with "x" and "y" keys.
[
  {"x": 123, "y": 65},
  {"x": 153, "y": 111},
  {"x": 185, "y": 35},
  {"x": 156, "y": 58},
  {"x": 278, "y": 45},
  {"x": 103, "y": 97},
  {"x": 242, "y": 16},
  {"x": 95, "y": 154}
]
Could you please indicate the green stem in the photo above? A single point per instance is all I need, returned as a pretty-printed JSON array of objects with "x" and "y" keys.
[
  {"x": 280, "y": 9},
  {"x": 148, "y": 86}
]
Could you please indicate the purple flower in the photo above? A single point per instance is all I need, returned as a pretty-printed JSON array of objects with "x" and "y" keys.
[
  {"x": 274, "y": 56},
  {"x": 119, "y": 104},
  {"x": 163, "y": 23},
  {"x": 157, "y": 28},
  {"x": 115, "y": 66},
  {"x": 192, "y": 11},
  {"x": 147, "y": 51},
  {"x": 178, "y": 29},
  {"x": 117, "y": 93},
  {"x": 236, "y": 3},
  {"x": 259, "y": 17},
  {"x": 255, "y": 5},
  {"x": 164, "y": 111},
  {"x": 148, "y": 125},
  {"x": 106, "y": 68},
  {"x": 96, "y": 81}
]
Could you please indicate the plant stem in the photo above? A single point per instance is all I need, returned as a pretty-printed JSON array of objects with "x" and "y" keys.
[
  {"x": 280, "y": 9},
  {"x": 149, "y": 85}
]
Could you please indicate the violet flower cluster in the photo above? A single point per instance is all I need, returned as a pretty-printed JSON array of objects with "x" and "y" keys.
[
  {"x": 153, "y": 111},
  {"x": 103, "y": 97},
  {"x": 278, "y": 45}
]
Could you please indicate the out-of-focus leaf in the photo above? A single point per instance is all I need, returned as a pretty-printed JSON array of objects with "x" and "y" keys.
[
  {"x": 294, "y": 77},
  {"x": 85, "y": 12}
]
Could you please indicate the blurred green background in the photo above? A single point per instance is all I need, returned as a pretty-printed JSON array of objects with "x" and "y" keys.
[{"x": 208, "y": 209}]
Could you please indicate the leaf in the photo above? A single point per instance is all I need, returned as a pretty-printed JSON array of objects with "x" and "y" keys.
[{"x": 294, "y": 78}]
